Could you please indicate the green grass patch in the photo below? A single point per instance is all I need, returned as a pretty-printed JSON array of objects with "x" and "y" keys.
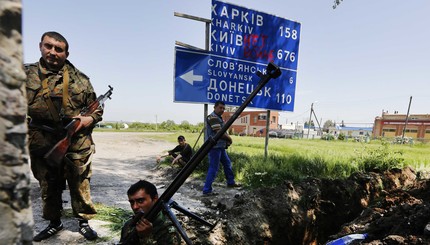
[
  {"x": 295, "y": 159},
  {"x": 115, "y": 216}
]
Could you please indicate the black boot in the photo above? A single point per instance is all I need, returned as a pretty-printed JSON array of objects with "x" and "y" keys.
[
  {"x": 52, "y": 229},
  {"x": 87, "y": 231}
]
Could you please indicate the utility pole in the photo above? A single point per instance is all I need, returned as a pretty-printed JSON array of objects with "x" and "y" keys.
[
  {"x": 316, "y": 119},
  {"x": 310, "y": 118},
  {"x": 406, "y": 120}
]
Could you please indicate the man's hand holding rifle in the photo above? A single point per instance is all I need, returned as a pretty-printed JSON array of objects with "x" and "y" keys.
[{"x": 57, "y": 153}]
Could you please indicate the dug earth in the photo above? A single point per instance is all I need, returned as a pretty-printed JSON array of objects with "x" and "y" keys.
[{"x": 392, "y": 207}]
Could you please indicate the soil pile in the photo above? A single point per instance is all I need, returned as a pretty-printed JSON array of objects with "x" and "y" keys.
[{"x": 392, "y": 207}]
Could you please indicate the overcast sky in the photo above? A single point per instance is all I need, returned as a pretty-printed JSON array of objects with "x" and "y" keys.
[{"x": 355, "y": 61}]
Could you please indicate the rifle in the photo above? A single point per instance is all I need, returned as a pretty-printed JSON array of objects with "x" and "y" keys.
[
  {"x": 57, "y": 153},
  {"x": 273, "y": 71}
]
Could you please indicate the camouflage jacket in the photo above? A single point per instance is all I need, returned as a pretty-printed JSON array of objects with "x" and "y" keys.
[
  {"x": 164, "y": 232},
  {"x": 80, "y": 95},
  {"x": 80, "y": 90}
]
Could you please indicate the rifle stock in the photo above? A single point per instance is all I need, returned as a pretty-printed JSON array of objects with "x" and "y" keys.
[
  {"x": 273, "y": 71},
  {"x": 56, "y": 154}
]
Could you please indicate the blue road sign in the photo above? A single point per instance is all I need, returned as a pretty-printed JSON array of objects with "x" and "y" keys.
[
  {"x": 247, "y": 34},
  {"x": 201, "y": 77}
]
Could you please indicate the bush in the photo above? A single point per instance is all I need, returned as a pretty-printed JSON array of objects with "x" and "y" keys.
[
  {"x": 327, "y": 137},
  {"x": 266, "y": 172},
  {"x": 379, "y": 159},
  {"x": 405, "y": 140}
]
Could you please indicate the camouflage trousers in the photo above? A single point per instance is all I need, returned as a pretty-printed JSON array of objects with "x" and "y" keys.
[{"x": 76, "y": 170}]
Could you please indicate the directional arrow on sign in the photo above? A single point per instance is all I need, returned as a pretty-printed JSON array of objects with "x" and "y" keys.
[{"x": 190, "y": 78}]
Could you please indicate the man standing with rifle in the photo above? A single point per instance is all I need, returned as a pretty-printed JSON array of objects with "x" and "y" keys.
[{"x": 57, "y": 93}]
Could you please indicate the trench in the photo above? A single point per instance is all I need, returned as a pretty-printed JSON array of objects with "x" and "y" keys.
[{"x": 315, "y": 211}]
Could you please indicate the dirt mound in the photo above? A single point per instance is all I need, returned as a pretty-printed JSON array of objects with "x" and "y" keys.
[{"x": 392, "y": 207}]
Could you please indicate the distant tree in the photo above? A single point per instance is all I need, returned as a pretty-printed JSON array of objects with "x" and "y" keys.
[
  {"x": 168, "y": 125},
  {"x": 142, "y": 126},
  {"x": 136, "y": 125},
  {"x": 342, "y": 124},
  {"x": 327, "y": 125},
  {"x": 185, "y": 125},
  {"x": 200, "y": 125}
]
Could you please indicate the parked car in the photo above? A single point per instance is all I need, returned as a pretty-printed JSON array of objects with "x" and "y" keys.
[{"x": 273, "y": 134}]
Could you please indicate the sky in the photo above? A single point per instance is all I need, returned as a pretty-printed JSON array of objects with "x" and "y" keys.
[{"x": 354, "y": 61}]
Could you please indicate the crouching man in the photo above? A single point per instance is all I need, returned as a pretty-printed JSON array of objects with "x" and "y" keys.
[{"x": 142, "y": 196}]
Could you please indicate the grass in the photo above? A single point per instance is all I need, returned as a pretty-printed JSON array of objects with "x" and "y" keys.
[
  {"x": 115, "y": 216},
  {"x": 296, "y": 159}
]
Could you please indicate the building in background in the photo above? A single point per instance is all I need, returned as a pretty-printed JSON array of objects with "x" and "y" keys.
[
  {"x": 392, "y": 125},
  {"x": 351, "y": 131},
  {"x": 252, "y": 122}
]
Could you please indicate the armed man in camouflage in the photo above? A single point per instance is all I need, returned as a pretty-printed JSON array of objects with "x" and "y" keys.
[
  {"x": 142, "y": 196},
  {"x": 56, "y": 93}
]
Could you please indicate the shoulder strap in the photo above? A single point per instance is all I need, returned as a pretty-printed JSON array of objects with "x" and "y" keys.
[
  {"x": 54, "y": 113},
  {"x": 65, "y": 86},
  {"x": 48, "y": 100}
]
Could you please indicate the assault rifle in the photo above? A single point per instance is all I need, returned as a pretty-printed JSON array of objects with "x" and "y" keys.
[
  {"x": 273, "y": 71},
  {"x": 56, "y": 154}
]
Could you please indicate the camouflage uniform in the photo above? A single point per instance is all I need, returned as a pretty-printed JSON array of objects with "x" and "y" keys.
[
  {"x": 45, "y": 132},
  {"x": 164, "y": 232}
]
